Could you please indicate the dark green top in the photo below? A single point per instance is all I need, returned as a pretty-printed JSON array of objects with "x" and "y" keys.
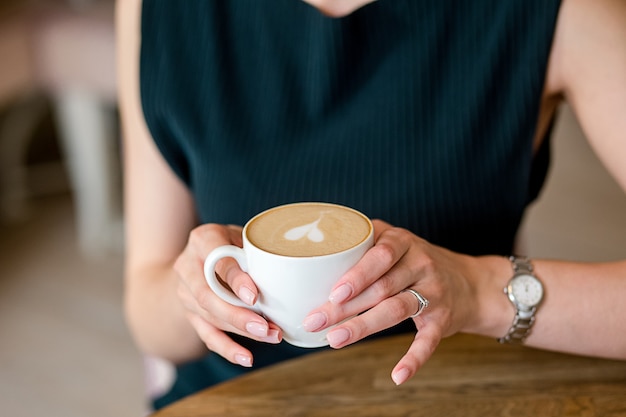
[{"x": 418, "y": 112}]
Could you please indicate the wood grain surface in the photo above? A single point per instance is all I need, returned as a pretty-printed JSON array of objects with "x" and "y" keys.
[{"x": 467, "y": 376}]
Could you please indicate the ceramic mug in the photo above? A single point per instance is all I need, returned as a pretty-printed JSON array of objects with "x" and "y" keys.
[{"x": 295, "y": 254}]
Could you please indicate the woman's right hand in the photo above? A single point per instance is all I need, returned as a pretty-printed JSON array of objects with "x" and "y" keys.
[{"x": 210, "y": 316}]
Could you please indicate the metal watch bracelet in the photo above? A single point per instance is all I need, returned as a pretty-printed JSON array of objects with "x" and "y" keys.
[
  {"x": 519, "y": 330},
  {"x": 524, "y": 319}
]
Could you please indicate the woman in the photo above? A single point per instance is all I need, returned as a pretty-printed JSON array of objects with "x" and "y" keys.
[{"x": 432, "y": 117}]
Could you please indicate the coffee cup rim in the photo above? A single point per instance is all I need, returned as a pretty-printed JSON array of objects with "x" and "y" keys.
[{"x": 367, "y": 237}]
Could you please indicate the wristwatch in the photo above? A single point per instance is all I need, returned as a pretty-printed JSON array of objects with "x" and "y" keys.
[{"x": 525, "y": 291}]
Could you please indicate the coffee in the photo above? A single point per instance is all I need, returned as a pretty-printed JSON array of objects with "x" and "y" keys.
[
  {"x": 295, "y": 254},
  {"x": 308, "y": 229}
]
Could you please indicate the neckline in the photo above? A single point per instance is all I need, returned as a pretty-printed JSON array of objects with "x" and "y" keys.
[{"x": 360, "y": 9}]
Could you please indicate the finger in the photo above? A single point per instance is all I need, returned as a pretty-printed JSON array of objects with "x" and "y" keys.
[
  {"x": 202, "y": 241},
  {"x": 206, "y": 304},
  {"x": 235, "y": 233},
  {"x": 391, "y": 245},
  {"x": 424, "y": 344},
  {"x": 384, "y": 315},
  {"x": 219, "y": 342},
  {"x": 379, "y": 227},
  {"x": 239, "y": 320},
  {"x": 229, "y": 271},
  {"x": 386, "y": 287},
  {"x": 240, "y": 283}
]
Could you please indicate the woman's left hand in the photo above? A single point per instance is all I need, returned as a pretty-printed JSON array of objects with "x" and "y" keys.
[{"x": 373, "y": 290}]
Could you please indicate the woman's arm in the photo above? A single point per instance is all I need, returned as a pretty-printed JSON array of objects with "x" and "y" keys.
[
  {"x": 589, "y": 57},
  {"x": 171, "y": 311},
  {"x": 159, "y": 214},
  {"x": 583, "y": 309}
]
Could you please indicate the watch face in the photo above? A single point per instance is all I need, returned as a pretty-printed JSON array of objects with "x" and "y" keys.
[{"x": 527, "y": 290}]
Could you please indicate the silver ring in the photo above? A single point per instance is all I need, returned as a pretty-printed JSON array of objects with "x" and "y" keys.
[{"x": 423, "y": 302}]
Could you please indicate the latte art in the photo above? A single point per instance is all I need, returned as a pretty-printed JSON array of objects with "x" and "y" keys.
[
  {"x": 295, "y": 254},
  {"x": 308, "y": 229}
]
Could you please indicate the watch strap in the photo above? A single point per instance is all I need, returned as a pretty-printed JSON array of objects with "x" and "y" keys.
[
  {"x": 524, "y": 319},
  {"x": 520, "y": 329},
  {"x": 521, "y": 265}
]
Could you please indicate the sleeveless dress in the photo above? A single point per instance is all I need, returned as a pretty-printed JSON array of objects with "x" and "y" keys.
[{"x": 418, "y": 112}]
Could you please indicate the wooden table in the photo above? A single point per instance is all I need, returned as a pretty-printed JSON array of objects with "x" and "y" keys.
[{"x": 467, "y": 376}]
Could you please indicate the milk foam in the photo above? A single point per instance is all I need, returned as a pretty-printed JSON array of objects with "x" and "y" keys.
[{"x": 308, "y": 229}]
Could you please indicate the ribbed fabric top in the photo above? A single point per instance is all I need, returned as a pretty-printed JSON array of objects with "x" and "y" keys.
[{"x": 418, "y": 112}]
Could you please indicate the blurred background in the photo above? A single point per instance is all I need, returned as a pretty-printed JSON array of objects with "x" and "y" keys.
[{"x": 64, "y": 348}]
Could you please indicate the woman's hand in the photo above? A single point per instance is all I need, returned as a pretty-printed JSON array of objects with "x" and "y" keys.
[
  {"x": 209, "y": 315},
  {"x": 399, "y": 260}
]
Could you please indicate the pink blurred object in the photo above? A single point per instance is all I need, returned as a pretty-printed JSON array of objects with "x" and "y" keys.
[
  {"x": 65, "y": 50},
  {"x": 75, "y": 49}
]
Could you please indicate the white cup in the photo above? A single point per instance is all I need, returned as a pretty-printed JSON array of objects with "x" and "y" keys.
[{"x": 290, "y": 287}]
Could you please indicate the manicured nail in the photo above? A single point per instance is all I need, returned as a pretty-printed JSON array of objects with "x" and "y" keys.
[
  {"x": 272, "y": 337},
  {"x": 314, "y": 322},
  {"x": 246, "y": 295},
  {"x": 340, "y": 294},
  {"x": 338, "y": 336},
  {"x": 243, "y": 360},
  {"x": 400, "y": 376},
  {"x": 257, "y": 329}
]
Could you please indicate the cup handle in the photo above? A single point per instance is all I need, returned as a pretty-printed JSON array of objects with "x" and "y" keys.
[{"x": 227, "y": 251}]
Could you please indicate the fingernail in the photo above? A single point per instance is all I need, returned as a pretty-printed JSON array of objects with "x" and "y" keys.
[
  {"x": 338, "y": 336},
  {"x": 246, "y": 295},
  {"x": 400, "y": 376},
  {"x": 272, "y": 337},
  {"x": 243, "y": 360},
  {"x": 340, "y": 294},
  {"x": 257, "y": 329},
  {"x": 314, "y": 322}
]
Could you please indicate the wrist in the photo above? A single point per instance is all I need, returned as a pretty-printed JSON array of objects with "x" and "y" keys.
[
  {"x": 525, "y": 291},
  {"x": 156, "y": 317},
  {"x": 493, "y": 312}
]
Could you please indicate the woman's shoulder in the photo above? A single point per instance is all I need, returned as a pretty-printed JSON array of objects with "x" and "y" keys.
[
  {"x": 588, "y": 67},
  {"x": 589, "y": 35}
]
